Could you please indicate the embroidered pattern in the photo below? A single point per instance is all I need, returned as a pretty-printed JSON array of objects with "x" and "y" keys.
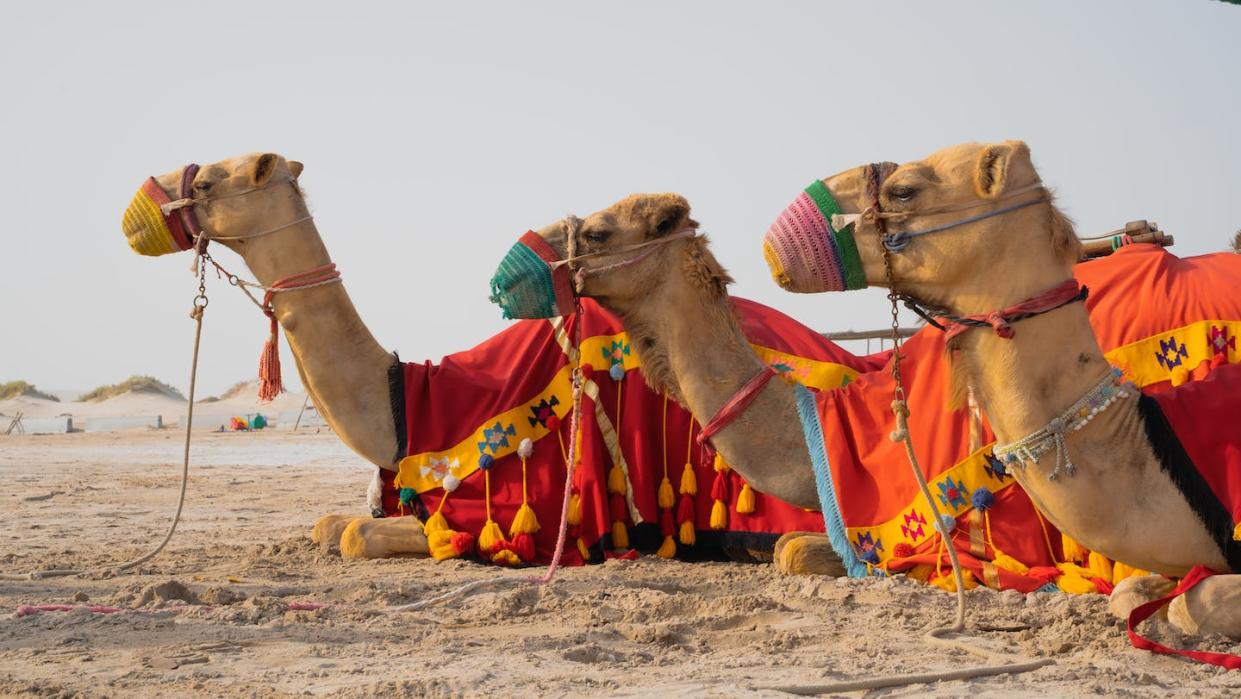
[
  {"x": 913, "y": 517},
  {"x": 438, "y": 469},
  {"x": 952, "y": 493},
  {"x": 617, "y": 352},
  {"x": 868, "y": 547},
  {"x": 543, "y": 411},
  {"x": 994, "y": 467},
  {"x": 1171, "y": 353},
  {"x": 496, "y": 437},
  {"x": 1220, "y": 342}
]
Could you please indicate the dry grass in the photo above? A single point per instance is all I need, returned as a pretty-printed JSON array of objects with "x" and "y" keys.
[
  {"x": 134, "y": 384},
  {"x": 17, "y": 389},
  {"x": 237, "y": 389}
]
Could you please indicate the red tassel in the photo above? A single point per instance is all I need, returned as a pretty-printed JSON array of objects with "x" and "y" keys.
[
  {"x": 462, "y": 542},
  {"x": 270, "y": 384},
  {"x": 685, "y": 509},
  {"x": 667, "y": 527},
  {"x": 523, "y": 546},
  {"x": 719, "y": 487}
]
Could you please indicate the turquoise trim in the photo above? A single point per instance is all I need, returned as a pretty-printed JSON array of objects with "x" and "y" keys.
[{"x": 808, "y": 412}]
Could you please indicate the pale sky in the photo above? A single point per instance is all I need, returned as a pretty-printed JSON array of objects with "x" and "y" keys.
[{"x": 434, "y": 134}]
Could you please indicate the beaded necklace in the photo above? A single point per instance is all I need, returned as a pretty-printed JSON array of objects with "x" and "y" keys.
[{"x": 1033, "y": 446}]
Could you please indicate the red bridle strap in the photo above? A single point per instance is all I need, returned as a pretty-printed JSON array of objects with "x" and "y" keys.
[
  {"x": 1001, "y": 319},
  {"x": 735, "y": 405}
]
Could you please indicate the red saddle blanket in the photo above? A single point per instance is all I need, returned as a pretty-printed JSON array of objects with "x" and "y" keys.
[{"x": 1158, "y": 317}]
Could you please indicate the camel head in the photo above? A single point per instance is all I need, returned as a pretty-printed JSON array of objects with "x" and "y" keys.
[
  {"x": 972, "y": 219},
  {"x": 234, "y": 202},
  {"x": 617, "y": 256}
]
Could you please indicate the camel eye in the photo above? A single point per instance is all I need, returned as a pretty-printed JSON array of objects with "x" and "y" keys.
[
  {"x": 902, "y": 193},
  {"x": 202, "y": 186},
  {"x": 598, "y": 237}
]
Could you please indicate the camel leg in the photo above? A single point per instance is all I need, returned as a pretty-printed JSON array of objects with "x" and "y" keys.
[
  {"x": 1131, "y": 593},
  {"x": 369, "y": 537},
  {"x": 807, "y": 553},
  {"x": 328, "y": 529},
  {"x": 1212, "y": 606}
]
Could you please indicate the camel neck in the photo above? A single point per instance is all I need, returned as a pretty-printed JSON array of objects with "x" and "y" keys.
[
  {"x": 342, "y": 366},
  {"x": 689, "y": 341}
]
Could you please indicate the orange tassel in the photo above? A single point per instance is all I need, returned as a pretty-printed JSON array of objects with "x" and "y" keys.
[
  {"x": 667, "y": 498},
  {"x": 575, "y": 510},
  {"x": 616, "y": 480},
  {"x": 689, "y": 482},
  {"x": 687, "y": 534},
  {"x": 620, "y": 535},
  {"x": 668, "y": 549},
  {"x": 745, "y": 500},
  {"x": 719, "y": 515},
  {"x": 583, "y": 550},
  {"x": 270, "y": 384}
]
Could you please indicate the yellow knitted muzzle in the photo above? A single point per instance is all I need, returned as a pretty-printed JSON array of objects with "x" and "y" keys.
[{"x": 147, "y": 229}]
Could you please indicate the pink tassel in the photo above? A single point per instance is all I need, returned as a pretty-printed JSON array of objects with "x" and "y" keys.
[{"x": 270, "y": 384}]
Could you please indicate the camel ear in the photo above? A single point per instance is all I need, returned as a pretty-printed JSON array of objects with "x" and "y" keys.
[
  {"x": 264, "y": 167},
  {"x": 296, "y": 168},
  {"x": 669, "y": 214},
  {"x": 997, "y": 165}
]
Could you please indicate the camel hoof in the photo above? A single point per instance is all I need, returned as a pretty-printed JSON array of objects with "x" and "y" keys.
[
  {"x": 328, "y": 529},
  {"x": 807, "y": 554},
  {"x": 367, "y": 537},
  {"x": 1212, "y": 606},
  {"x": 1131, "y": 593}
]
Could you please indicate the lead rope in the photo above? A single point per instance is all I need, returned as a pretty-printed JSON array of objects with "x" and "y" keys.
[
  {"x": 196, "y": 312},
  {"x": 900, "y": 410}
]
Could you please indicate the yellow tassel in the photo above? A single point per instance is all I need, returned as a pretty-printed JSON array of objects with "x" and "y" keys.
[
  {"x": 1236, "y": 533},
  {"x": 525, "y": 521},
  {"x": 1075, "y": 585},
  {"x": 575, "y": 510},
  {"x": 506, "y": 557},
  {"x": 489, "y": 537},
  {"x": 689, "y": 482},
  {"x": 1100, "y": 566},
  {"x": 620, "y": 535},
  {"x": 435, "y": 523},
  {"x": 1007, "y": 562},
  {"x": 1120, "y": 571},
  {"x": 687, "y": 534},
  {"x": 921, "y": 572},
  {"x": 745, "y": 500},
  {"x": 719, "y": 464},
  {"x": 719, "y": 515},
  {"x": 1072, "y": 550},
  {"x": 948, "y": 582},
  {"x": 582, "y": 549},
  {"x": 668, "y": 549},
  {"x": 440, "y": 544},
  {"x": 667, "y": 498},
  {"x": 616, "y": 480}
]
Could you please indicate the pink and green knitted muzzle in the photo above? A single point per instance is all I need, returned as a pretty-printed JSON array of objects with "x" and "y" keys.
[{"x": 803, "y": 251}]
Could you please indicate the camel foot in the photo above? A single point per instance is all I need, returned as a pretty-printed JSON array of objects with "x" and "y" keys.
[
  {"x": 807, "y": 553},
  {"x": 367, "y": 537},
  {"x": 1131, "y": 593},
  {"x": 1213, "y": 606},
  {"x": 328, "y": 529}
]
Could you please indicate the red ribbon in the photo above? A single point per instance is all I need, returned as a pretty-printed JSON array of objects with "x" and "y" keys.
[
  {"x": 1001, "y": 319},
  {"x": 735, "y": 405},
  {"x": 1145, "y": 611}
]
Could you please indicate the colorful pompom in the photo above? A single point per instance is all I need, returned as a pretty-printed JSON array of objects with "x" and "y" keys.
[
  {"x": 525, "y": 449},
  {"x": 983, "y": 499},
  {"x": 486, "y": 461},
  {"x": 902, "y": 550},
  {"x": 451, "y": 482},
  {"x": 445, "y": 544},
  {"x": 553, "y": 423},
  {"x": 406, "y": 497},
  {"x": 947, "y": 523},
  {"x": 523, "y": 545},
  {"x": 617, "y": 372}
]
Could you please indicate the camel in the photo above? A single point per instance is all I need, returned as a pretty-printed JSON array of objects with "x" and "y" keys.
[
  {"x": 345, "y": 370},
  {"x": 1120, "y": 499}
]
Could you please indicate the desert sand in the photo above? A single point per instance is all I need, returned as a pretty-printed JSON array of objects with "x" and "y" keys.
[{"x": 212, "y": 615}]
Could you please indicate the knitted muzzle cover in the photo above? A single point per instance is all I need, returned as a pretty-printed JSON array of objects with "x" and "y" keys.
[
  {"x": 526, "y": 285},
  {"x": 805, "y": 254}
]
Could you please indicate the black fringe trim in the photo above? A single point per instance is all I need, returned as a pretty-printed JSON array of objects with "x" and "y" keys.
[
  {"x": 1177, "y": 464},
  {"x": 396, "y": 398}
]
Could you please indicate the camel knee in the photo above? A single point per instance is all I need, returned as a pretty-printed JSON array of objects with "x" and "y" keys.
[
  {"x": 328, "y": 529},
  {"x": 1131, "y": 593},
  {"x": 784, "y": 540},
  {"x": 1212, "y": 606},
  {"x": 367, "y": 537},
  {"x": 809, "y": 554}
]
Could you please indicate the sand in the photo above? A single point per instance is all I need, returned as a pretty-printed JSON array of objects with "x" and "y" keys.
[{"x": 243, "y": 556}]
